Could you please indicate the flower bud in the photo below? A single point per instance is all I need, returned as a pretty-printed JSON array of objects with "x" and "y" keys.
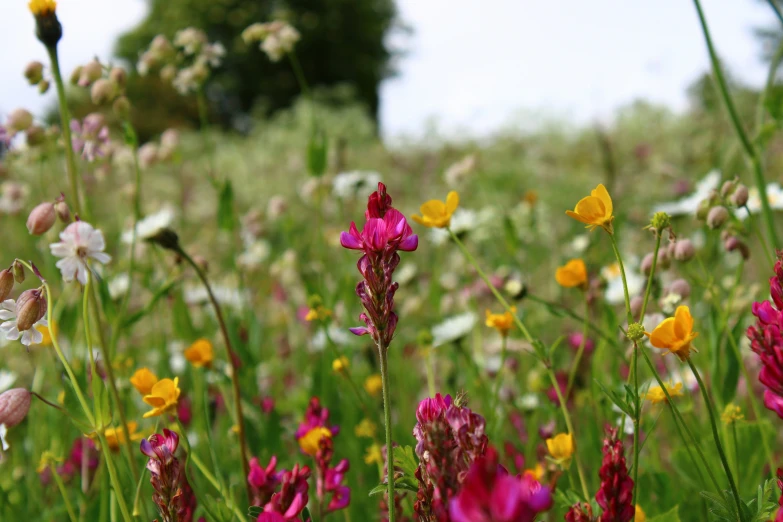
[
  {"x": 90, "y": 72},
  {"x": 635, "y": 332},
  {"x": 728, "y": 188},
  {"x": 684, "y": 250},
  {"x": 6, "y": 283},
  {"x": 734, "y": 243},
  {"x": 35, "y": 135},
  {"x": 18, "y": 269},
  {"x": 30, "y": 308},
  {"x": 119, "y": 76},
  {"x": 664, "y": 261},
  {"x": 637, "y": 302},
  {"x": 19, "y": 120},
  {"x": 670, "y": 248},
  {"x": 14, "y": 405},
  {"x": 103, "y": 91},
  {"x": 160, "y": 45},
  {"x": 41, "y": 219},
  {"x": 43, "y": 86},
  {"x": 62, "y": 210},
  {"x": 647, "y": 264},
  {"x": 34, "y": 72},
  {"x": 717, "y": 217},
  {"x": 75, "y": 75},
  {"x": 681, "y": 288},
  {"x": 660, "y": 221},
  {"x": 170, "y": 138},
  {"x": 740, "y": 196},
  {"x": 121, "y": 108}
]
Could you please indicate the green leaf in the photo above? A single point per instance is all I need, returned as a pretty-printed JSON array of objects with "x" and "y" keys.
[
  {"x": 377, "y": 490},
  {"x": 225, "y": 214},
  {"x": 75, "y": 411},
  {"x": 317, "y": 152},
  {"x": 405, "y": 460},
  {"x": 306, "y": 517},
  {"x": 616, "y": 399},
  {"x": 217, "y": 508},
  {"x": 672, "y": 515}
]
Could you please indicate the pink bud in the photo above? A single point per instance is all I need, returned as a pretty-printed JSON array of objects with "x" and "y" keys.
[
  {"x": 14, "y": 405},
  {"x": 717, "y": 216},
  {"x": 734, "y": 243},
  {"x": 41, "y": 219},
  {"x": 684, "y": 251},
  {"x": 6, "y": 283},
  {"x": 89, "y": 73},
  {"x": 647, "y": 263},
  {"x": 30, "y": 308},
  {"x": 681, "y": 288},
  {"x": 103, "y": 91},
  {"x": 740, "y": 196},
  {"x": 62, "y": 210}
]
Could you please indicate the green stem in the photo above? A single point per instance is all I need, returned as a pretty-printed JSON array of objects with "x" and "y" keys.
[
  {"x": 652, "y": 274},
  {"x": 383, "y": 352},
  {"x": 567, "y": 311},
  {"x": 63, "y": 492},
  {"x": 718, "y": 444},
  {"x": 580, "y": 351},
  {"x": 499, "y": 377},
  {"x": 613, "y": 237},
  {"x": 115, "y": 482},
  {"x": 747, "y": 144},
  {"x": 346, "y": 371},
  {"x": 775, "y": 8},
  {"x": 429, "y": 362},
  {"x": 231, "y": 362},
  {"x": 570, "y": 428},
  {"x": 140, "y": 482},
  {"x": 65, "y": 120},
  {"x": 757, "y": 230}
]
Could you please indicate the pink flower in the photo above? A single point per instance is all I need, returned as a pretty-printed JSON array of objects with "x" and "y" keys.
[
  {"x": 172, "y": 493},
  {"x": 490, "y": 494},
  {"x": 615, "y": 495},
  {"x": 292, "y": 498},
  {"x": 91, "y": 137},
  {"x": 78, "y": 243},
  {"x": 263, "y": 481}
]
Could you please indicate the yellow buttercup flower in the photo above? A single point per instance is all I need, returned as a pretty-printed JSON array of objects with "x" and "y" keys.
[
  {"x": 732, "y": 413},
  {"x": 373, "y": 455},
  {"x": 163, "y": 397},
  {"x": 116, "y": 436},
  {"x": 319, "y": 313},
  {"x": 42, "y": 7},
  {"x": 366, "y": 428},
  {"x": 536, "y": 473},
  {"x": 143, "y": 380},
  {"x": 675, "y": 333},
  {"x": 436, "y": 213},
  {"x": 572, "y": 274},
  {"x": 200, "y": 353},
  {"x": 310, "y": 442},
  {"x": 656, "y": 395},
  {"x": 561, "y": 448},
  {"x": 501, "y": 322},
  {"x": 373, "y": 384},
  {"x": 639, "y": 515},
  {"x": 595, "y": 210},
  {"x": 47, "y": 332},
  {"x": 340, "y": 364}
]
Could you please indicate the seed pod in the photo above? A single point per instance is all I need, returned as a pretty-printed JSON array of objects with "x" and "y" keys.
[
  {"x": 740, "y": 196},
  {"x": 14, "y": 405},
  {"x": 43, "y": 86},
  {"x": 664, "y": 261},
  {"x": 34, "y": 72},
  {"x": 75, "y": 75},
  {"x": 734, "y": 243},
  {"x": 41, "y": 219},
  {"x": 19, "y": 120},
  {"x": 103, "y": 91},
  {"x": 30, "y": 308},
  {"x": 684, "y": 251},
  {"x": 35, "y": 135},
  {"x": 681, "y": 288},
  {"x": 647, "y": 263},
  {"x": 89, "y": 73},
  {"x": 18, "y": 269},
  {"x": 118, "y": 76},
  {"x": 6, "y": 283},
  {"x": 62, "y": 210},
  {"x": 717, "y": 217}
]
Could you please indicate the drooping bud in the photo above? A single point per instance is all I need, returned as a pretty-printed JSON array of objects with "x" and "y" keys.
[
  {"x": 728, "y": 188},
  {"x": 166, "y": 238},
  {"x": 681, "y": 288},
  {"x": 717, "y": 217},
  {"x": 647, "y": 264},
  {"x": 19, "y": 120},
  {"x": 41, "y": 219},
  {"x": 43, "y": 86},
  {"x": 30, "y": 308},
  {"x": 733, "y": 243},
  {"x": 103, "y": 91},
  {"x": 18, "y": 269},
  {"x": 121, "y": 107},
  {"x": 75, "y": 75},
  {"x": 35, "y": 135},
  {"x": 14, "y": 405},
  {"x": 90, "y": 72},
  {"x": 664, "y": 261},
  {"x": 684, "y": 251},
  {"x": 6, "y": 283},
  {"x": 34, "y": 72},
  {"x": 62, "y": 210},
  {"x": 119, "y": 76},
  {"x": 740, "y": 196}
]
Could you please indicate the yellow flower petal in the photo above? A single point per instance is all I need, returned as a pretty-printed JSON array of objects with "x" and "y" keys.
[{"x": 452, "y": 201}]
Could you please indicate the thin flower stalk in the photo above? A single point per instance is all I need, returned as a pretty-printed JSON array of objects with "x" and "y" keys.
[
  {"x": 115, "y": 481},
  {"x": 63, "y": 491},
  {"x": 581, "y": 350}
]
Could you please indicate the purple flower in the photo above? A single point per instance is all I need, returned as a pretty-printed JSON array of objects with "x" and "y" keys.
[{"x": 90, "y": 137}]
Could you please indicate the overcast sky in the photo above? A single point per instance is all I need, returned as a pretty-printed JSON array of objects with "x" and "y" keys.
[{"x": 475, "y": 65}]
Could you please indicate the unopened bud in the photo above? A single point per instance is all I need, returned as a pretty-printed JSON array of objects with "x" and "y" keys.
[
  {"x": 119, "y": 76},
  {"x": 41, "y": 219},
  {"x": 664, "y": 261},
  {"x": 34, "y": 72},
  {"x": 660, "y": 221},
  {"x": 19, "y": 120},
  {"x": 647, "y": 264},
  {"x": 684, "y": 250},
  {"x": 35, "y": 135},
  {"x": 734, "y": 243},
  {"x": 169, "y": 138},
  {"x": 30, "y": 308},
  {"x": 90, "y": 72},
  {"x": 740, "y": 196},
  {"x": 637, "y": 302},
  {"x": 14, "y": 405},
  {"x": 717, "y": 217},
  {"x": 670, "y": 248},
  {"x": 681, "y": 288},
  {"x": 75, "y": 75},
  {"x": 6, "y": 284},
  {"x": 168, "y": 73},
  {"x": 148, "y": 155},
  {"x": 121, "y": 107},
  {"x": 103, "y": 91},
  {"x": 166, "y": 238},
  {"x": 18, "y": 269},
  {"x": 635, "y": 332},
  {"x": 703, "y": 209},
  {"x": 62, "y": 210},
  {"x": 728, "y": 188},
  {"x": 43, "y": 86}
]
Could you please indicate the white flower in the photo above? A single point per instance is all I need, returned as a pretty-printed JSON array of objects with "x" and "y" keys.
[
  {"x": 213, "y": 54},
  {"x": 254, "y": 255},
  {"x": 615, "y": 292},
  {"x": 150, "y": 225},
  {"x": 453, "y": 328},
  {"x": 774, "y": 197},
  {"x": 670, "y": 302},
  {"x": 119, "y": 285},
  {"x": 528, "y": 402},
  {"x": 3, "y": 432},
  {"x": 7, "y": 378},
  {"x": 190, "y": 39},
  {"x": 78, "y": 243},
  {"x": 347, "y": 185},
  {"x": 689, "y": 204},
  {"x": 8, "y": 327},
  {"x": 280, "y": 40},
  {"x": 406, "y": 273},
  {"x": 580, "y": 243},
  {"x": 459, "y": 171}
]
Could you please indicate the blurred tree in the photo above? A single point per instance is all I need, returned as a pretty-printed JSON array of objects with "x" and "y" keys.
[{"x": 343, "y": 42}]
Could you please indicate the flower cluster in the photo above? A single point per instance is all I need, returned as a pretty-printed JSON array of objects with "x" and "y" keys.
[
  {"x": 277, "y": 38},
  {"x": 449, "y": 438},
  {"x": 173, "y": 496},
  {"x": 385, "y": 232},
  {"x": 490, "y": 494},
  {"x": 766, "y": 339},
  {"x": 615, "y": 496},
  {"x": 287, "y": 504},
  {"x": 90, "y": 137}
]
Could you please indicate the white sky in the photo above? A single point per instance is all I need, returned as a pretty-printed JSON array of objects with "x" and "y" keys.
[{"x": 475, "y": 65}]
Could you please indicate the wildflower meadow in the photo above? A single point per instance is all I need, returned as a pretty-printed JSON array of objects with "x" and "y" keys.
[{"x": 303, "y": 324}]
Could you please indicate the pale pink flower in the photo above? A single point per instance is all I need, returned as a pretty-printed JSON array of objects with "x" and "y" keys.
[
  {"x": 9, "y": 329},
  {"x": 78, "y": 243}
]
